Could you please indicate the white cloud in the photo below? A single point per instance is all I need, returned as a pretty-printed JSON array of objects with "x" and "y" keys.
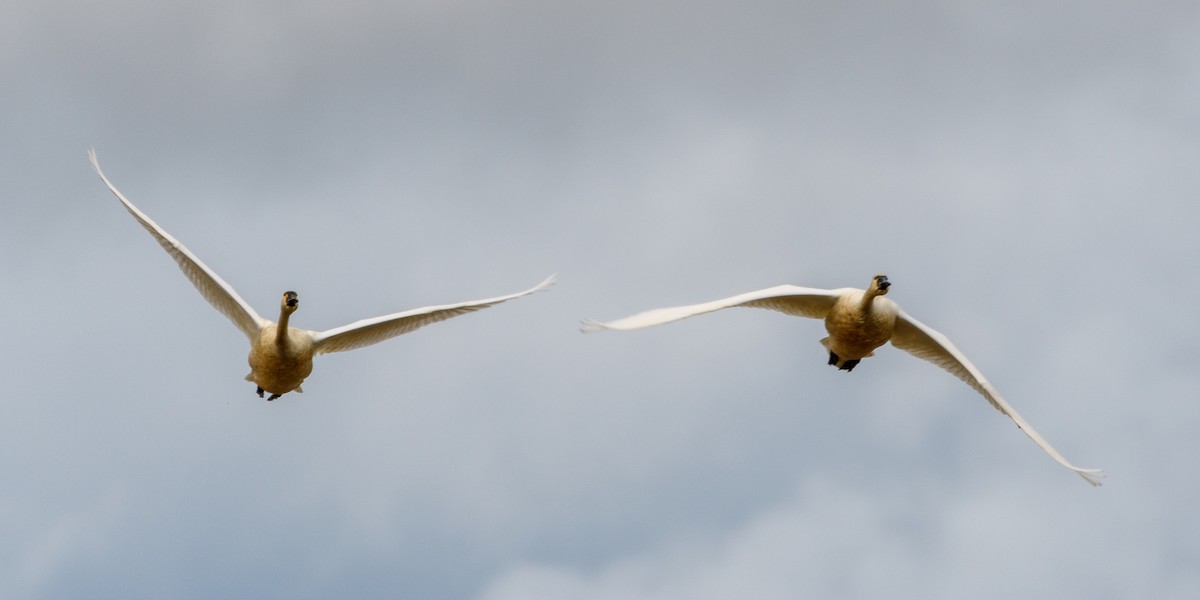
[{"x": 830, "y": 540}]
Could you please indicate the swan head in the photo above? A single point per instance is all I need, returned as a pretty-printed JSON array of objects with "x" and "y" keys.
[
  {"x": 880, "y": 284},
  {"x": 290, "y": 302}
]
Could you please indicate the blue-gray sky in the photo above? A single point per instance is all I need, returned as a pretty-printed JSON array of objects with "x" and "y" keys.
[{"x": 1024, "y": 172}]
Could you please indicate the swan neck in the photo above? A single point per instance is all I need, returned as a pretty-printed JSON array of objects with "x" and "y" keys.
[
  {"x": 282, "y": 327},
  {"x": 867, "y": 298}
]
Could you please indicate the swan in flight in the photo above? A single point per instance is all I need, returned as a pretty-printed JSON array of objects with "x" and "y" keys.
[
  {"x": 858, "y": 322},
  {"x": 280, "y": 355}
]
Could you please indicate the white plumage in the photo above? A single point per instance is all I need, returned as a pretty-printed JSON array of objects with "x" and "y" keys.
[
  {"x": 281, "y": 356},
  {"x": 858, "y": 322}
]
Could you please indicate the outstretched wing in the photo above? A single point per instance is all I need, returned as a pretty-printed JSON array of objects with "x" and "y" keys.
[
  {"x": 793, "y": 300},
  {"x": 214, "y": 289},
  {"x": 926, "y": 343},
  {"x": 372, "y": 331}
]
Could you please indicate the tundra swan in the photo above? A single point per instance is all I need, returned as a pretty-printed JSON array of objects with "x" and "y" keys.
[
  {"x": 858, "y": 322},
  {"x": 281, "y": 355}
]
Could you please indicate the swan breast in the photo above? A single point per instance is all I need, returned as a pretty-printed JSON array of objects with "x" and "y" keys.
[
  {"x": 854, "y": 332},
  {"x": 280, "y": 365}
]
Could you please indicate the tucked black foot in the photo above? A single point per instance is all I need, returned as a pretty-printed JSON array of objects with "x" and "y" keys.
[
  {"x": 833, "y": 358},
  {"x": 260, "y": 392},
  {"x": 849, "y": 365},
  {"x": 273, "y": 396}
]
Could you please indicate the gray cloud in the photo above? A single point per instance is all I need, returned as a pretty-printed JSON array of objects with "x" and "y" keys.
[{"x": 1024, "y": 173}]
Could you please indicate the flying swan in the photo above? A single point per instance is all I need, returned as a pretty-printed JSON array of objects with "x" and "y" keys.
[
  {"x": 280, "y": 355},
  {"x": 858, "y": 322}
]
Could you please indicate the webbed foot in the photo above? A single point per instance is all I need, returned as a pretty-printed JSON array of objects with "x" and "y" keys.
[
  {"x": 260, "y": 392},
  {"x": 833, "y": 358},
  {"x": 273, "y": 396},
  {"x": 849, "y": 365}
]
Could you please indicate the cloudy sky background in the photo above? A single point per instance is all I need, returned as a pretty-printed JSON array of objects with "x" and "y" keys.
[{"x": 1025, "y": 172}]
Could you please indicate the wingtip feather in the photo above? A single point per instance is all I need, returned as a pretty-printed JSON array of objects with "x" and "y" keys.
[
  {"x": 1092, "y": 476},
  {"x": 91, "y": 154},
  {"x": 546, "y": 283},
  {"x": 590, "y": 326}
]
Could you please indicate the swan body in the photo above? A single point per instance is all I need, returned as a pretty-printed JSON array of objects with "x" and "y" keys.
[
  {"x": 280, "y": 355},
  {"x": 858, "y": 322}
]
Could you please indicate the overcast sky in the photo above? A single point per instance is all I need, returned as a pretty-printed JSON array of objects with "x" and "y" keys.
[{"x": 1025, "y": 173}]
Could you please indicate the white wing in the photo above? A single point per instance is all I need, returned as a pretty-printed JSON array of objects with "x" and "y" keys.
[
  {"x": 372, "y": 331},
  {"x": 793, "y": 300},
  {"x": 924, "y": 342},
  {"x": 214, "y": 289}
]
